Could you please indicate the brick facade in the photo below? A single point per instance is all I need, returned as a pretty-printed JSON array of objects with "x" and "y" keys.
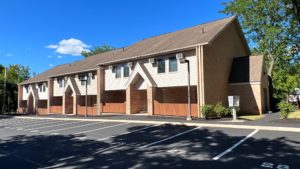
[{"x": 157, "y": 94}]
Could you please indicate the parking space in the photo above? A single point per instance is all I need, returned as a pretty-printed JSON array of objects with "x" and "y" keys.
[{"x": 83, "y": 144}]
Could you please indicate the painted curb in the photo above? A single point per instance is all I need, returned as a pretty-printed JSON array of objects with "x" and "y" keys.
[{"x": 268, "y": 128}]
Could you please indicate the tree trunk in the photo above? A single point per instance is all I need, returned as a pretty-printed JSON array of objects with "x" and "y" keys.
[{"x": 271, "y": 65}]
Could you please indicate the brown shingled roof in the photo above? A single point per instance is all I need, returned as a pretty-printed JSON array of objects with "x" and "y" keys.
[
  {"x": 246, "y": 69},
  {"x": 179, "y": 40},
  {"x": 44, "y": 76}
]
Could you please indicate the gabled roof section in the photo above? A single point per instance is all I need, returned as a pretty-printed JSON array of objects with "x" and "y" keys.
[
  {"x": 183, "y": 39},
  {"x": 247, "y": 69},
  {"x": 140, "y": 69},
  {"x": 180, "y": 40},
  {"x": 43, "y": 77}
]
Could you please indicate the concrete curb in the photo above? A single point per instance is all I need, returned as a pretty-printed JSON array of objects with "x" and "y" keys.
[{"x": 268, "y": 128}]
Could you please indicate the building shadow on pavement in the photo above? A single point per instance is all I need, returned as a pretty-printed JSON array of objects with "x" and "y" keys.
[{"x": 193, "y": 150}]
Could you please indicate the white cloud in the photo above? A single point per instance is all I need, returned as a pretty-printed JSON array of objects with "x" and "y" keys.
[
  {"x": 51, "y": 65},
  {"x": 9, "y": 54},
  {"x": 59, "y": 57},
  {"x": 70, "y": 46}
]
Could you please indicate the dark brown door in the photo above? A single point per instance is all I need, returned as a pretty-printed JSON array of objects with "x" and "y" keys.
[{"x": 69, "y": 103}]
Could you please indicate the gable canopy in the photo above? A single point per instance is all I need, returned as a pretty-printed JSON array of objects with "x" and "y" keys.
[
  {"x": 72, "y": 84},
  {"x": 140, "y": 70}
]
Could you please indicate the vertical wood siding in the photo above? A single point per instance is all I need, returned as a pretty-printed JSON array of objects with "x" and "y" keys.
[
  {"x": 114, "y": 101},
  {"x": 56, "y": 105},
  {"x": 173, "y": 101},
  {"x": 91, "y": 106}
]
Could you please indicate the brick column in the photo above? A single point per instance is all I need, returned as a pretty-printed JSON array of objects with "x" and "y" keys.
[
  {"x": 20, "y": 97},
  {"x": 63, "y": 104},
  {"x": 75, "y": 101},
  {"x": 128, "y": 99},
  {"x": 100, "y": 89},
  {"x": 200, "y": 80},
  {"x": 50, "y": 95},
  {"x": 151, "y": 91}
]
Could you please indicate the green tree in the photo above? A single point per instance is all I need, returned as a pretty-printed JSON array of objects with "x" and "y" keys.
[
  {"x": 285, "y": 83},
  {"x": 97, "y": 50},
  {"x": 9, "y": 85},
  {"x": 270, "y": 26},
  {"x": 272, "y": 29}
]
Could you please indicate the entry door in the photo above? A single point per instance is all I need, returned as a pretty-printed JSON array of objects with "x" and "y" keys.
[{"x": 69, "y": 103}]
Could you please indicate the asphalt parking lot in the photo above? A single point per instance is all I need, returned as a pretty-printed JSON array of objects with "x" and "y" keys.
[{"x": 44, "y": 143}]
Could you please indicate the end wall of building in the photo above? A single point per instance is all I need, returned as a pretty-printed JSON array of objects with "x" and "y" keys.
[{"x": 217, "y": 59}]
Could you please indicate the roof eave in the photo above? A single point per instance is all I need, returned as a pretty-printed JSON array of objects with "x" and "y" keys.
[
  {"x": 151, "y": 54},
  {"x": 28, "y": 83},
  {"x": 71, "y": 73}
]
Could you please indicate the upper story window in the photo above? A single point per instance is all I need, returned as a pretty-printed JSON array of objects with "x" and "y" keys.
[
  {"x": 118, "y": 71},
  {"x": 60, "y": 82},
  {"x": 126, "y": 71},
  {"x": 40, "y": 87},
  {"x": 89, "y": 79},
  {"x": 26, "y": 88},
  {"x": 161, "y": 66},
  {"x": 172, "y": 64},
  {"x": 44, "y": 87}
]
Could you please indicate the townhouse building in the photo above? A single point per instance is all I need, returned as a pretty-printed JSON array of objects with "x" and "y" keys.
[{"x": 147, "y": 77}]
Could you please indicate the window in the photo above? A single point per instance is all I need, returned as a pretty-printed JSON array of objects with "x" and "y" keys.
[
  {"x": 172, "y": 64},
  {"x": 118, "y": 71},
  {"x": 40, "y": 87},
  {"x": 83, "y": 81},
  {"x": 89, "y": 79},
  {"x": 161, "y": 66},
  {"x": 126, "y": 71},
  {"x": 60, "y": 82},
  {"x": 44, "y": 87},
  {"x": 26, "y": 88}
]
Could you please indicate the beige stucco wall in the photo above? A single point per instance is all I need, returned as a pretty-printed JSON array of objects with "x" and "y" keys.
[
  {"x": 92, "y": 88},
  {"x": 167, "y": 79},
  {"x": 42, "y": 95},
  {"x": 217, "y": 62}
]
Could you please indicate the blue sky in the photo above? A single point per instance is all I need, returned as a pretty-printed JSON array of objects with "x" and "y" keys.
[{"x": 45, "y": 33}]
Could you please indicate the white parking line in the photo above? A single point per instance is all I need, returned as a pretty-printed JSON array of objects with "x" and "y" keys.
[
  {"x": 36, "y": 124},
  {"x": 28, "y": 123},
  {"x": 10, "y": 125},
  {"x": 8, "y": 120},
  {"x": 234, "y": 146},
  {"x": 31, "y": 122},
  {"x": 145, "y": 146},
  {"x": 83, "y": 132},
  {"x": 15, "y": 122},
  {"x": 72, "y": 127},
  {"x": 106, "y": 149},
  {"x": 52, "y": 126},
  {"x": 128, "y": 132},
  {"x": 23, "y": 121}
]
